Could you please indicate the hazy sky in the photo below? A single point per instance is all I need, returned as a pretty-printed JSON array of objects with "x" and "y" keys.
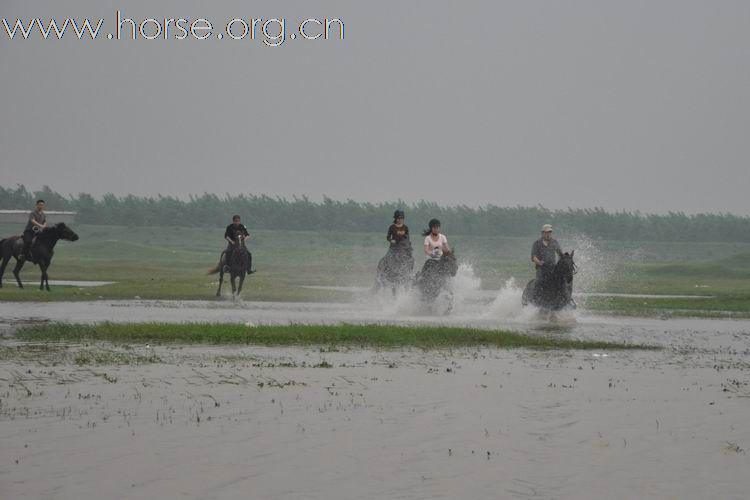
[{"x": 621, "y": 104}]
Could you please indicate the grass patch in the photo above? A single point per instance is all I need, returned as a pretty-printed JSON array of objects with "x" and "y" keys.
[
  {"x": 713, "y": 307},
  {"x": 53, "y": 355},
  {"x": 426, "y": 337}
]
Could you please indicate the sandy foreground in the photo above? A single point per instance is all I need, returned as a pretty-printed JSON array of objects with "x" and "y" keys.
[{"x": 225, "y": 423}]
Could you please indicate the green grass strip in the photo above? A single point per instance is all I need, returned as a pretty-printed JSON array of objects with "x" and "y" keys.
[{"x": 372, "y": 335}]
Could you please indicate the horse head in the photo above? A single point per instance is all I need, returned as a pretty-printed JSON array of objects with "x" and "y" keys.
[
  {"x": 59, "y": 231},
  {"x": 241, "y": 240},
  {"x": 403, "y": 245},
  {"x": 64, "y": 232},
  {"x": 448, "y": 262},
  {"x": 566, "y": 266}
]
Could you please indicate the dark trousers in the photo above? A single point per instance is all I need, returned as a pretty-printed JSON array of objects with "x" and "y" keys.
[{"x": 28, "y": 237}]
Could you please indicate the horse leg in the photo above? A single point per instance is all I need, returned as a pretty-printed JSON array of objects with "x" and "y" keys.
[
  {"x": 232, "y": 277},
  {"x": 3, "y": 265},
  {"x": 44, "y": 272},
  {"x": 242, "y": 280},
  {"x": 17, "y": 270},
  {"x": 221, "y": 280}
]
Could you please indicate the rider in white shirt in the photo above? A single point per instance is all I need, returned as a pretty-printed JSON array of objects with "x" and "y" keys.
[{"x": 435, "y": 243}]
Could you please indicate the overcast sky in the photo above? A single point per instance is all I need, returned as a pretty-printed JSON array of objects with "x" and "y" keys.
[{"x": 621, "y": 104}]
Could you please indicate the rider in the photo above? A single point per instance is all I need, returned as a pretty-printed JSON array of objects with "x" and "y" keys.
[
  {"x": 37, "y": 222},
  {"x": 544, "y": 252},
  {"x": 398, "y": 231},
  {"x": 435, "y": 243},
  {"x": 232, "y": 233}
]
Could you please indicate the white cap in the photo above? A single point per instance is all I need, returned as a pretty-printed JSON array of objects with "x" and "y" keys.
[{"x": 547, "y": 227}]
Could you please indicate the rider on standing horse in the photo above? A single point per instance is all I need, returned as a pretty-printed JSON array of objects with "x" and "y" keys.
[
  {"x": 37, "y": 222},
  {"x": 398, "y": 231},
  {"x": 232, "y": 233}
]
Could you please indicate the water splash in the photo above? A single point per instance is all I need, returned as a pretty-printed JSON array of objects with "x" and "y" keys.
[
  {"x": 507, "y": 304},
  {"x": 465, "y": 285},
  {"x": 593, "y": 264}
]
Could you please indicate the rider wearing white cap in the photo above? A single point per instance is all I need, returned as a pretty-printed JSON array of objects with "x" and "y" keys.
[{"x": 544, "y": 252}]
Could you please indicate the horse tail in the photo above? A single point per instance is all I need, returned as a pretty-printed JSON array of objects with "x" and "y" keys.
[{"x": 214, "y": 269}]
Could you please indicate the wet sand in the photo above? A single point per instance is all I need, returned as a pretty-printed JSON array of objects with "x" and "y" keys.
[{"x": 252, "y": 422}]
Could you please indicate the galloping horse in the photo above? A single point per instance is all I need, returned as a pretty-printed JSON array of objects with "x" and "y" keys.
[
  {"x": 235, "y": 263},
  {"x": 554, "y": 291},
  {"x": 42, "y": 251},
  {"x": 395, "y": 268},
  {"x": 434, "y": 276}
]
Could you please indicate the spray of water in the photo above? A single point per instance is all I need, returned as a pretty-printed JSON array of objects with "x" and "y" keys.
[
  {"x": 593, "y": 264},
  {"x": 593, "y": 274},
  {"x": 505, "y": 306},
  {"x": 463, "y": 293}
]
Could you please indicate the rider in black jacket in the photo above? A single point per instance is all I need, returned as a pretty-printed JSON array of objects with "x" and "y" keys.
[{"x": 232, "y": 233}]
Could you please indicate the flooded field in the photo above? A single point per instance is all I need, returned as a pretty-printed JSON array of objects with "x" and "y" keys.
[
  {"x": 504, "y": 312},
  {"x": 267, "y": 423},
  {"x": 207, "y": 422}
]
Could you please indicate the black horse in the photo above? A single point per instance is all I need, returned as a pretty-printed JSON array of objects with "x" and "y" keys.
[
  {"x": 42, "y": 251},
  {"x": 434, "y": 279},
  {"x": 554, "y": 290},
  {"x": 395, "y": 268},
  {"x": 235, "y": 262}
]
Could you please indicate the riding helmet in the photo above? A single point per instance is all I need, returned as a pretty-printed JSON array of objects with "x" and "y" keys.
[
  {"x": 398, "y": 213},
  {"x": 434, "y": 223}
]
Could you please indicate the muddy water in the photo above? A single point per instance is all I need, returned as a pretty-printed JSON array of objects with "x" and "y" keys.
[
  {"x": 271, "y": 423},
  {"x": 707, "y": 334},
  {"x": 225, "y": 423}
]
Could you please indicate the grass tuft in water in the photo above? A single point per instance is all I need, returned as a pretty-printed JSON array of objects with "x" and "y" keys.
[{"x": 369, "y": 335}]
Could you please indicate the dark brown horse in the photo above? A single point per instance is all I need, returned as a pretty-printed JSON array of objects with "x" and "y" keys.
[
  {"x": 434, "y": 278},
  {"x": 236, "y": 263},
  {"x": 394, "y": 270},
  {"x": 554, "y": 291},
  {"x": 42, "y": 251}
]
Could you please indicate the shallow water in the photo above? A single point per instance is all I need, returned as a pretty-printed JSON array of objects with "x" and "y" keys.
[
  {"x": 225, "y": 422},
  {"x": 228, "y": 422},
  {"x": 505, "y": 312}
]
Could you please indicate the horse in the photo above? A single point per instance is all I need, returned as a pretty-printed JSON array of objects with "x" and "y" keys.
[
  {"x": 395, "y": 268},
  {"x": 554, "y": 290},
  {"x": 434, "y": 279},
  {"x": 42, "y": 250},
  {"x": 235, "y": 263}
]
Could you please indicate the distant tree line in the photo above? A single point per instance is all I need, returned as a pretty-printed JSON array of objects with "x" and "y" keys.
[{"x": 300, "y": 213}]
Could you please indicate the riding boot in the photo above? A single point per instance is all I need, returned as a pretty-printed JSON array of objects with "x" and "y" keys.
[
  {"x": 28, "y": 239},
  {"x": 27, "y": 253}
]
